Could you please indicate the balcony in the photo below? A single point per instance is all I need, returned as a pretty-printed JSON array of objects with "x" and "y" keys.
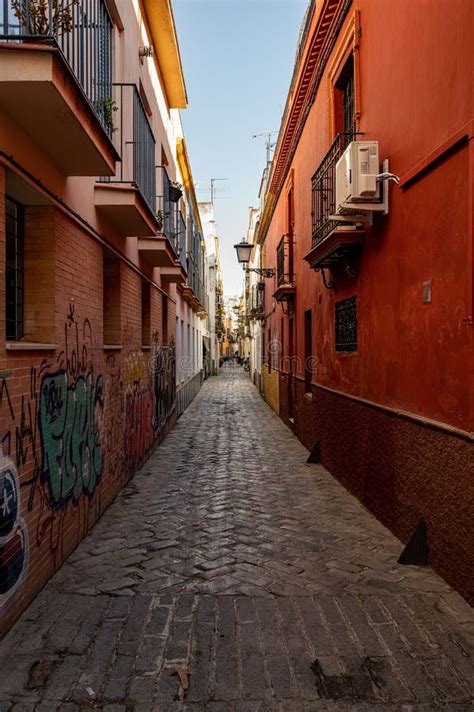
[
  {"x": 332, "y": 238},
  {"x": 56, "y": 80},
  {"x": 165, "y": 250},
  {"x": 257, "y": 301},
  {"x": 286, "y": 287},
  {"x": 128, "y": 199}
]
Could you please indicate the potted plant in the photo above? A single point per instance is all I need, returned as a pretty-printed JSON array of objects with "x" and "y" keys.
[
  {"x": 175, "y": 191},
  {"x": 105, "y": 109},
  {"x": 34, "y": 16}
]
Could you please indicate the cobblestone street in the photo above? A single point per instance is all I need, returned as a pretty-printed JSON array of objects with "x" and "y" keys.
[{"x": 254, "y": 574}]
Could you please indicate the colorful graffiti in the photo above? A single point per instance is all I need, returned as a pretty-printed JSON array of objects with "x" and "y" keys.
[
  {"x": 139, "y": 435},
  {"x": 114, "y": 418},
  {"x": 70, "y": 415},
  {"x": 80, "y": 414},
  {"x": 14, "y": 544},
  {"x": 52, "y": 433}
]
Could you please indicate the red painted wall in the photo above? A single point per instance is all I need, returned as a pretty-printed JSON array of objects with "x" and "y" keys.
[
  {"x": 414, "y": 97},
  {"x": 414, "y": 82}
]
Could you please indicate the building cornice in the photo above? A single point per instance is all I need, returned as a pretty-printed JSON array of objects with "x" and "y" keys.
[
  {"x": 159, "y": 15},
  {"x": 312, "y": 59},
  {"x": 187, "y": 176}
]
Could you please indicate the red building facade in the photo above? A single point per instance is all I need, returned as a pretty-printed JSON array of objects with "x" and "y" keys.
[{"x": 369, "y": 328}]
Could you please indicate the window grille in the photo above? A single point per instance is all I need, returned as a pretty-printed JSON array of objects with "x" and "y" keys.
[
  {"x": 346, "y": 325},
  {"x": 14, "y": 223}
]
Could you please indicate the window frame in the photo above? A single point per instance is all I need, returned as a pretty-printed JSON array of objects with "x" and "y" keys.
[{"x": 18, "y": 237}]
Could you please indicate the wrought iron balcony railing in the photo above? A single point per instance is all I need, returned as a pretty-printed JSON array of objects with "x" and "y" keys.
[
  {"x": 324, "y": 188},
  {"x": 172, "y": 220},
  {"x": 257, "y": 300},
  {"x": 135, "y": 142},
  {"x": 81, "y": 30},
  {"x": 285, "y": 273},
  {"x": 181, "y": 239}
]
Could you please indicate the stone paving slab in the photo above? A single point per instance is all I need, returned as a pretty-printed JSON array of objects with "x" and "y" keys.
[{"x": 230, "y": 558}]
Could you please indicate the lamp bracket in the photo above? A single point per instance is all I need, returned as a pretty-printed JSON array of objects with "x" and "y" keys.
[{"x": 261, "y": 271}]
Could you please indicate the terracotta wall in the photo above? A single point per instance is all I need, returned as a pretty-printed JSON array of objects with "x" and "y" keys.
[{"x": 414, "y": 95}]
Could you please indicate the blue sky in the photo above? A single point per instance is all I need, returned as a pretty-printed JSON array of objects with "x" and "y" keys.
[{"x": 238, "y": 60}]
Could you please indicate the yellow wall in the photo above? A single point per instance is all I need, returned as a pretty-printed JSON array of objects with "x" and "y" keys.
[{"x": 271, "y": 390}]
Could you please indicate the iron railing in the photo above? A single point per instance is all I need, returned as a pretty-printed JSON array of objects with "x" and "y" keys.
[
  {"x": 135, "y": 142},
  {"x": 257, "y": 300},
  {"x": 173, "y": 224},
  {"x": 186, "y": 393},
  {"x": 181, "y": 241},
  {"x": 81, "y": 30},
  {"x": 285, "y": 274},
  {"x": 168, "y": 212},
  {"x": 324, "y": 188}
]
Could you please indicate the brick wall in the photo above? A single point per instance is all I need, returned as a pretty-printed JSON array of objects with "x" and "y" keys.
[{"x": 77, "y": 420}]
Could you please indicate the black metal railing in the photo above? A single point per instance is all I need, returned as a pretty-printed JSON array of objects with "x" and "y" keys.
[
  {"x": 135, "y": 142},
  {"x": 168, "y": 221},
  {"x": 172, "y": 222},
  {"x": 81, "y": 30},
  {"x": 324, "y": 188},
  {"x": 257, "y": 299},
  {"x": 285, "y": 274},
  {"x": 168, "y": 212},
  {"x": 182, "y": 239}
]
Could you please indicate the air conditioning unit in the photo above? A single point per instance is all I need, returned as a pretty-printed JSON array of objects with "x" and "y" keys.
[{"x": 358, "y": 190}]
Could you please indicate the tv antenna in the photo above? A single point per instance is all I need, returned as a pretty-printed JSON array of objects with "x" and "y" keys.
[
  {"x": 269, "y": 145},
  {"x": 213, "y": 180}
]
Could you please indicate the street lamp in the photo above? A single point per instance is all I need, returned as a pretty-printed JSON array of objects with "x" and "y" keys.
[{"x": 244, "y": 250}]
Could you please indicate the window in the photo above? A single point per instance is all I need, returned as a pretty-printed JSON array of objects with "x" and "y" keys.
[
  {"x": 344, "y": 99},
  {"x": 14, "y": 272},
  {"x": 346, "y": 325},
  {"x": 290, "y": 212},
  {"x": 111, "y": 300},
  {"x": 146, "y": 297},
  {"x": 308, "y": 350}
]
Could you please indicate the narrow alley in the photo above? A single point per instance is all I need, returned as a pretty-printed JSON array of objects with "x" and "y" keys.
[{"x": 230, "y": 575}]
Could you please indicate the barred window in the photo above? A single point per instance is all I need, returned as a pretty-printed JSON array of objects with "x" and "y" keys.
[
  {"x": 346, "y": 324},
  {"x": 14, "y": 287}
]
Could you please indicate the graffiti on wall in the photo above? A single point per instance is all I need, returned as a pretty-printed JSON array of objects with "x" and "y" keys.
[
  {"x": 53, "y": 432},
  {"x": 70, "y": 413},
  {"x": 113, "y": 418},
  {"x": 71, "y": 407},
  {"x": 138, "y": 428},
  {"x": 14, "y": 545},
  {"x": 79, "y": 413}
]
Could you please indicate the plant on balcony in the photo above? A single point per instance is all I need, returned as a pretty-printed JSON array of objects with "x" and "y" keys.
[
  {"x": 106, "y": 108},
  {"x": 35, "y": 18},
  {"x": 160, "y": 216},
  {"x": 175, "y": 191}
]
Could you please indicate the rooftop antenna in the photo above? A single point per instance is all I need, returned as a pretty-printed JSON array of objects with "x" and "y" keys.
[
  {"x": 213, "y": 180},
  {"x": 269, "y": 145}
]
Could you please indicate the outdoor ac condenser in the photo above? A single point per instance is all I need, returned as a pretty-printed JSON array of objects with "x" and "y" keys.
[{"x": 357, "y": 187}]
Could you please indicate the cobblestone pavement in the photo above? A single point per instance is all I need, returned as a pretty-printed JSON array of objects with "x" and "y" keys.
[{"x": 230, "y": 558}]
